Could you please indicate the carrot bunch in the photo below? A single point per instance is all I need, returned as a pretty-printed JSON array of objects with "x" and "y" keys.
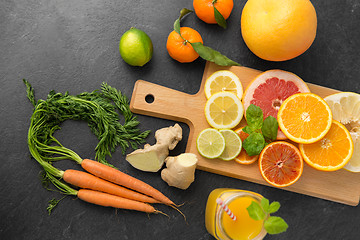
[{"x": 101, "y": 184}]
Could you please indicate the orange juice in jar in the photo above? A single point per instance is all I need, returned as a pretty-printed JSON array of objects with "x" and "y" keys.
[{"x": 222, "y": 225}]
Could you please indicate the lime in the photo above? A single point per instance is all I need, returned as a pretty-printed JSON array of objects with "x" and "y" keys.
[
  {"x": 233, "y": 145},
  {"x": 135, "y": 47},
  {"x": 210, "y": 143}
]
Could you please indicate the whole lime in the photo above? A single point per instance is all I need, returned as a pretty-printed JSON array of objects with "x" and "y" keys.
[{"x": 135, "y": 47}]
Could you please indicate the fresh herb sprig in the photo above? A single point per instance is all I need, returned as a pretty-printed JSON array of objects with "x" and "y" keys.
[
  {"x": 204, "y": 52},
  {"x": 260, "y": 130},
  {"x": 262, "y": 211},
  {"x": 96, "y": 108}
]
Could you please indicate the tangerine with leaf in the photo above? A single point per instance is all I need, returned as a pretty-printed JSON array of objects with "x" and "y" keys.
[
  {"x": 179, "y": 46},
  {"x": 205, "y": 9}
]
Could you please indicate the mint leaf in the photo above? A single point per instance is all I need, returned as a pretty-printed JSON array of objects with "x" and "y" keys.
[
  {"x": 254, "y": 117},
  {"x": 255, "y": 211},
  {"x": 254, "y": 143},
  {"x": 270, "y": 128},
  {"x": 220, "y": 19},
  {"x": 247, "y": 130},
  {"x": 212, "y": 55},
  {"x": 265, "y": 204},
  {"x": 274, "y": 207},
  {"x": 275, "y": 225}
]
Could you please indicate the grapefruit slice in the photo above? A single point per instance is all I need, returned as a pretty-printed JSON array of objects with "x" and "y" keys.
[
  {"x": 281, "y": 164},
  {"x": 269, "y": 90}
]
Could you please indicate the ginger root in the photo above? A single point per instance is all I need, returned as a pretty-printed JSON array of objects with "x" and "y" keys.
[
  {"x": 151, "y": 158},
  {"x": 180, "y": 171}
]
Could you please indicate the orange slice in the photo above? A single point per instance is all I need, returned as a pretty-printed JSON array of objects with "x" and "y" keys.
[
  {"x": 332, "y": 152},
  {"x": 304, "y": 118},
  {"x": 243, "y": 157},
  {"x": 281, "y": 164}
]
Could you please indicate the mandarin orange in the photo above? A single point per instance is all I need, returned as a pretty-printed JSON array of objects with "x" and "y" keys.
[
  {"x": 204, "y": 9},
  {"x": 179, "y": 47}
]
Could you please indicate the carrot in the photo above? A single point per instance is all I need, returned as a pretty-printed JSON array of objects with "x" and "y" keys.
[
  {"x": 88, "y": 181},
  {"x": 108, "y": 200},
  {"x": 108, "y": 173}
]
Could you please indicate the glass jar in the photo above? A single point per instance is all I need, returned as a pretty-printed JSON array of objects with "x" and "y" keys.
[{"x": 219, "y": 224}]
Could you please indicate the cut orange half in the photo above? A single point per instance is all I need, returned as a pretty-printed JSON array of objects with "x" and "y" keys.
[
  {"x": 281, "y": 164},
  {"x": 304, "y": 118},
  {"x": 243, "y": 157},
  {"x": 332, "y": 152}
]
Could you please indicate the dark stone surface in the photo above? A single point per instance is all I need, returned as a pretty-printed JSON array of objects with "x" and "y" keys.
[{"x": 73, "y": 46}]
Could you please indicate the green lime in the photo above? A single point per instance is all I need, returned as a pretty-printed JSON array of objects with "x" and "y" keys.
[
  {"x": 233, "y": 145},
  {"x": 210, "y": 143},
  {"x": 135, "y": 47}
]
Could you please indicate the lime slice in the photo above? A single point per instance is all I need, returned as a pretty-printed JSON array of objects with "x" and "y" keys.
[
  {"x": 224, "y": 110},
  {"x": 233, "y": 145},
  {"x": 210, "y": 143},
  {"x": 223, "y": 80}
]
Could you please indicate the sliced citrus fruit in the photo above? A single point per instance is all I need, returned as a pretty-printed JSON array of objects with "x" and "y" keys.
[
  {"x": 345, "y": 107},
  {"x": 243, "y": 157},
  {"x": 281, "y": 164},
  {"x": 233, "y": 144},
  {"x": 269, "y": 90},
  {"x": 332, "y": 152},
  {"x": 224, "y": 110},
  {"x": 210, "y": 143},
  {"x": 223, "y": 80},
  {"x": 304, "y": 117}
]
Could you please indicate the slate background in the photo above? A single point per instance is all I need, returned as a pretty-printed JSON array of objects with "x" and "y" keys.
[{"x": 73, "y": 46}]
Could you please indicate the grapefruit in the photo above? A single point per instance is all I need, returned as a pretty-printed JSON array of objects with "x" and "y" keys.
[
  {"x": 269, "y": 89},
  {"x": 281, "y": 164}
]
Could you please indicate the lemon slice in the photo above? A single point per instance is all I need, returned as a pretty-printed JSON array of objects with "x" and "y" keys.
[
  {"x": 233, "y": 145},
  {"x": 345, "y": 107},
  {"x": 210, "y": 143},
  {"x": 224, "y": 110},
  {"x": 223, "y": 80}
]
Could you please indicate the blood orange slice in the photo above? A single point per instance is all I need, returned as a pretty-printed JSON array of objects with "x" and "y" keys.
[
  {"x": 281, "y": 164},
  {"x": 243, "y": 157},
  {"x": 269, "y": 89}
]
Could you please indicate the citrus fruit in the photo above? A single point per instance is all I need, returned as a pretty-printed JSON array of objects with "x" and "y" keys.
[
  {"x": 332, "y": 152},
  {"x": 180, "y": 49},
  {"x": 210, "y": 143},
  {"x": 233, "y": 144},
  {"x": 281, "y": 164},
  {"x": 204, "y": 9},
  {"x": 135, "y": 47},
  {"x": 345, "y": 107},
  {"x": 224, "y": 110},
  {"x": 278, "y": 30},
  {"x": 304, "y": 117},
  {"x": 223, "y": 80},
  {"x": 243, "y": 157},
  {"x": 269, "y": 89}
]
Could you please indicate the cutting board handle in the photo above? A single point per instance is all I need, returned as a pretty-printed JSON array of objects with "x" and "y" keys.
[{"x": 162, "y": 102}]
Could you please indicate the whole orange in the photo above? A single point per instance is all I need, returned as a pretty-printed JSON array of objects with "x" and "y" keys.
[
  {"x": 278, "y": 30},
  {"x": 180, "y": 49},
  {"x": 204, "y": 9}
]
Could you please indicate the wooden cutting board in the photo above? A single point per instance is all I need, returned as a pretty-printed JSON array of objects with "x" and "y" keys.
[{"x": 339, "y": 186}]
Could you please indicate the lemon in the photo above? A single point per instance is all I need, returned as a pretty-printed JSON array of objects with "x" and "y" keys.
[
  {"x": 345, "y": 107},
  {"x": 233, "y": 145},
  {"x": 223, "y": 80},
  {"x": 224, "y": 110},
  {"x": 210, "y": 143},
  {"x": 136, "y": 47}
]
